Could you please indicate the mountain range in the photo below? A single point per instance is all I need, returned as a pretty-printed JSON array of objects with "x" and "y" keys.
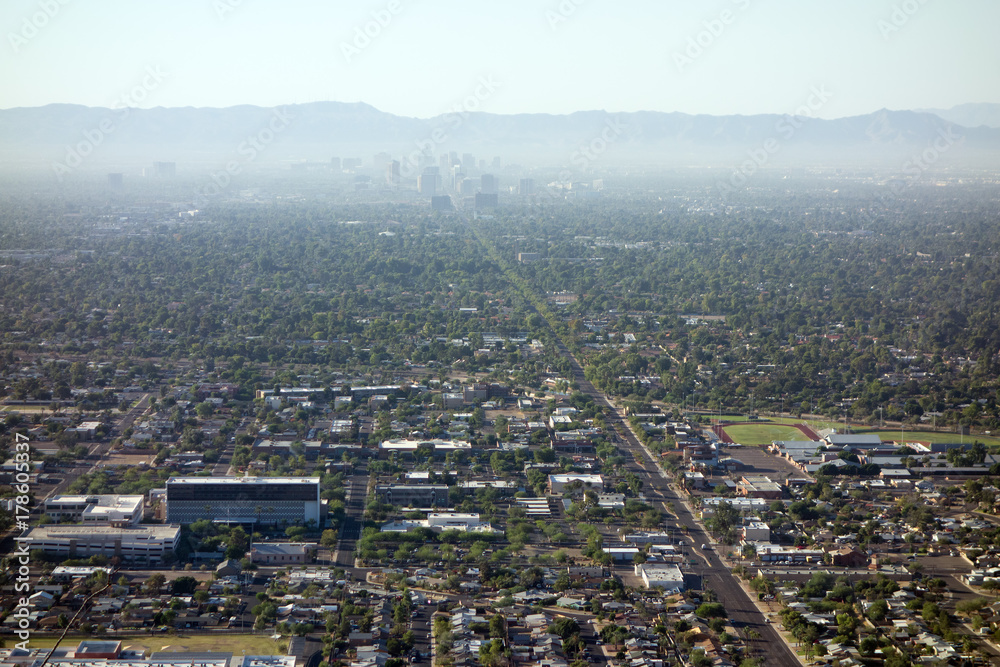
[{"x": 321, "y": 130}]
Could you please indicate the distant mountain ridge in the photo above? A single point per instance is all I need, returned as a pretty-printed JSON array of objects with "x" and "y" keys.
[
  {"x": 320, "y": 130},
  {"x": 970, "y": 115}
]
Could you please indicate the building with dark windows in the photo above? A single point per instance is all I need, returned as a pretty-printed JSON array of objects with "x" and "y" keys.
[
  {"x": 252, "y": 500},
  {"x": 412, "y": 495}
]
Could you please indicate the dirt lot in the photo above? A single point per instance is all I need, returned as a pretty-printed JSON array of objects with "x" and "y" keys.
[{"x": 759, "y": 462}]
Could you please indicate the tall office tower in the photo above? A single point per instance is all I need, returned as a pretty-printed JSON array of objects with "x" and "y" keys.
[
  {"x": 444, "y": 162},
  {"x": 488, "y": 184},
  {"x": 381, "y": 159},
  {"x": 456, "y": 176},
  {"x": 468, "y": 186},
  {"x": 429, "y": 181},
  {"x": 496, "y": 163},
  {"x": 440, "y": 203},
  {"x": 392, "y": 174},
  {"x": 469, "y": 162},
  {"x": 485, "y": 201},
  {"x": 526, "y": 186},
  {"x": 164, "y": 169}
]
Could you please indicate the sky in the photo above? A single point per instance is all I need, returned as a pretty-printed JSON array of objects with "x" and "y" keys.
[{"x": 423, "y": 57}]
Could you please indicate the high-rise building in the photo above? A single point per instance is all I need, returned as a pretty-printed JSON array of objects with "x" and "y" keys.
[
  {"x": 485, "y": 201},
  {"x": 335, "y": 163},
  {"x": 392, "y": 174},
  {"x": 381, "y": 159},
  {"x": 488, "y": 184},
  {"x": 468, "y": 186},
  {"x": 457, "y": 174},
  {"x": 441, "y": 203},
  {"x": 429, "y": 181},
  {"x": 468, "y": 161},
  {"x": 115, "y": 181},
  {"x": 496, "y": 163},
  {"x": 164, "y": 169},
  {"x": 526, "y": 186}
]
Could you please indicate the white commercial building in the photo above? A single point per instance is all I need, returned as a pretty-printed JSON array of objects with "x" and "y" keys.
[
  {"x": 440, "y": 522},
  {"x": 108, "y": 510},
  {"x": 741, "y": 505},
  {"x": 92, "y": 653},
  {"x": 145, "y": 543},
  {"x": 590, "y": 482},
  {"x": 756, "y": 531},
  {"x": 436, "y": 445},
  {"x": 665, "y": 575}
]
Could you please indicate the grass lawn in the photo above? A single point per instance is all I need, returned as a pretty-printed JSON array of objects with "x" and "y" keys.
[
  {"x": 930, "y": 436},
  {"x": 728, "y": 418},
  {"x": 763, "y": 434},
  {"x": 259, "y": 644}
]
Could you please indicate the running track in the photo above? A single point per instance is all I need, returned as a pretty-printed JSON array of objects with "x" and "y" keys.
[{"x": 720, "y": 430}]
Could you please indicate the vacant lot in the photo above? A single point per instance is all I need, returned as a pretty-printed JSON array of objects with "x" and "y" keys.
[{"x": 259, "y": 644}]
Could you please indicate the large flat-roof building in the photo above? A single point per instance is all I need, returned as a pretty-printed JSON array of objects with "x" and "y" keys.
[
  {"x": 91, "y": 654},
  {"x": 144, "y": 543},
  {"x": 588, "y": 481},
  {"x": 759, "y": 486},
  {"x": 413, "y": 495},
  {"x": 95, "y": 510},
  {"x": 668, "y": 576},
  {"x": 407, "y": 446},
  {"x": 263, "y": 500},
  {"x": 280, "y": 553}
]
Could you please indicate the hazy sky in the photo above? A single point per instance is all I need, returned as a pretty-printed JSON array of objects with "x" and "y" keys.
[{"x": 537, "y": 55}]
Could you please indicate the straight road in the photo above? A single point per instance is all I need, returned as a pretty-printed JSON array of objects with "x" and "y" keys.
[
  {"x": 743, "y": 613},
  {"x": 350, "y": 530}
]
